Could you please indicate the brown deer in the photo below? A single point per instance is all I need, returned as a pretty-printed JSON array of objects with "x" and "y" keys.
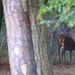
[{"x": 66, "y": 43}]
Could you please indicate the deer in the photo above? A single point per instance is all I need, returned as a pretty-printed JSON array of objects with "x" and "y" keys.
[{"x": 65, "y": 42}]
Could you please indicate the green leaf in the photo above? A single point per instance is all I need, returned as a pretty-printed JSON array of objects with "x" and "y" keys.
[
  {"x": 59, "y": 8},
  {"x": 24, "y": 0},
  {"x": 41, "y": 22},
  {"x": 39, "y": 16},
  {"x": 71, "y": 24}
]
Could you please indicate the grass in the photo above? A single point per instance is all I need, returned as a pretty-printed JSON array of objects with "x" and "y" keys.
[
  {"x": 3, "y": 41},
  {"x": 4, "y": 52}
]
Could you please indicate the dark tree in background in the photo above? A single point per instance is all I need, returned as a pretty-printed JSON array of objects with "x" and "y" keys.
[
  {"x": 39, "y": 40},
  {"x": 1, "y": 13}
]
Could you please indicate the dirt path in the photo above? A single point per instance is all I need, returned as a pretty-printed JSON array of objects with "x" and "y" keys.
[
  {"x": 64, "y": 70},
  {"x": 57, "y": 69},
  {"x": 4, "y": 66},
  {"x": 4, "y": 69}
]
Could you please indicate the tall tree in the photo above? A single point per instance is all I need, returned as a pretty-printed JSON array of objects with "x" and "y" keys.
[
  {"x": 1, "y": 13},
  {"x": 39, "y": 40},
  {"x": 21, "y": 55}
]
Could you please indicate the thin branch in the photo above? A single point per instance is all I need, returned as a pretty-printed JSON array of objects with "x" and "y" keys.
[{"x": 60, "y": 20}]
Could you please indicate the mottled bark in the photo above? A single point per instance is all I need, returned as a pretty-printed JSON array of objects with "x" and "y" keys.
[
  {"x": 1, "y": 13},
  {"x": 21, "y": 55},
  {"x": 39, "y": 40}
]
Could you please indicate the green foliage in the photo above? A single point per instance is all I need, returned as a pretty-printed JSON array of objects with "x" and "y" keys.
[
  {"x": 44, "y": 22},
  {"x": 64, "y": 9},
  {"x": 3, "y": 41},
  {"x": 24, "y": 0}
]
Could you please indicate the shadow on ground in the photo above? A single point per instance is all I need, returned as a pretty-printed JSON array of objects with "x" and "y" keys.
[{"x": 4, "y": 66}]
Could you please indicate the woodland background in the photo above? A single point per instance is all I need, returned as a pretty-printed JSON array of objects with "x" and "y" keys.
[{"x": 57, "y": 16}]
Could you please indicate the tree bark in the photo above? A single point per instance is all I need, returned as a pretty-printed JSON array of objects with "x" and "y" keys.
[
  {"x": 1, "y": 13},
  {"x": 39, "y": 40},
  {"x": 21, "y": 55}
]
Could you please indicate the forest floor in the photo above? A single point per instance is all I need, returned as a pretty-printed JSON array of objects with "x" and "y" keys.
[
  {"x": 57, "y": 68},
  {"x": 4, "y": 66},
  {"x": 64, "y": 69}
]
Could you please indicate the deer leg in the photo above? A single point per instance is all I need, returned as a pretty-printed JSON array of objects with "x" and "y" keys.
[
  {"x": 64, "y": 57},
  {"x": 59, "y": 55},
  {"x": 70, "y": 56},
  {"x": 63, "y": 53}
]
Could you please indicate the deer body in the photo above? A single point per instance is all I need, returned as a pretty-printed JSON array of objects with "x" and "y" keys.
[{"x": 66, "y": 43}]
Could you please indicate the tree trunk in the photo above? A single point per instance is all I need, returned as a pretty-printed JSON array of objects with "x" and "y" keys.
[
  {"x": 1, "y": 13},
  {"x": 39, "y": 40},
  {"x": 21, "y": 55}
]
